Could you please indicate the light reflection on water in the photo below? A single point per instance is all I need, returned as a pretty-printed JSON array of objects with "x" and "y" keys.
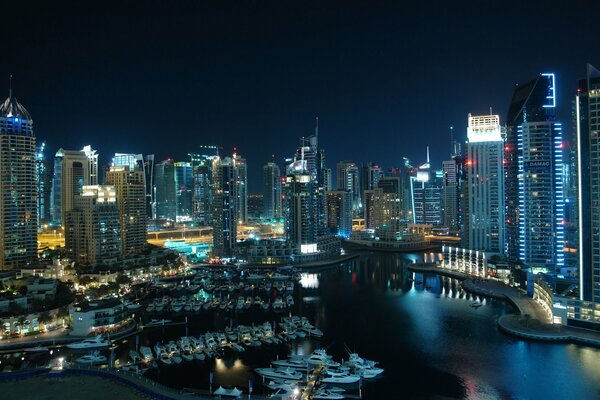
[{"x": 423, "y": 330}]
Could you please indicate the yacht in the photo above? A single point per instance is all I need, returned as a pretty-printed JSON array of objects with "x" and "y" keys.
[
  {"x": 146, "y": 354},
  {"x": 280, "y": 373},
  {"x": 339, "y": 377},
  {"x": 95, "y": 342},
  {"x": 93, "y": 358},
  {"x": 325, "y": 394},
  {"x": 278, "y": 305},
  {"x": 476, "y": 304}
]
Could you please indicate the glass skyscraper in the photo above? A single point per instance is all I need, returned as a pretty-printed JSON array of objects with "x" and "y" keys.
[
  {"x": 18, "y": 189},
  {"x": 534, "y": 182}
]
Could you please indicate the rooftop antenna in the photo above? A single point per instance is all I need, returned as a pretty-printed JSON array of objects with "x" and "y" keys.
[
  {"x": 427, "y": 154},
  {"x": 10, "y": 86},
  {"x": 452, "y": 140},
  {"x": 490, "y": 110}
]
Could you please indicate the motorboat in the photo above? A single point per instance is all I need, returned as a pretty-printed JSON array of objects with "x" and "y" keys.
[
  {"x": 325, "y": 394},
  {"x": 278, "y": 305},
  {"x": 158, "y": 322},
  {"x": 135, "y": 356},
  {"x": 95, "y": 342},
  {"x": 37, "y": 349},
  {"x": 279, "y": 373},
  {"x": 339, "y": 377},
  {"x": 93, "y": 358},
  {"x": 146, "y": 353},
  {"x": 289, "y": 300},
  {"x": 476, "y": 304}
]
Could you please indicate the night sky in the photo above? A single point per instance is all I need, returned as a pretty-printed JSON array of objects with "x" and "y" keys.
[{"x": 386, "y": 80}]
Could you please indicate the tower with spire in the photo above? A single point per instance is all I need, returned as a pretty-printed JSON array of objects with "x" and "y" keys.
[{"x": 18, "y": 188}]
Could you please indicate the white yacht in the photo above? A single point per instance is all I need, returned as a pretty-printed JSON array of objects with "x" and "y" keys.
[
  {"x": 280, "y": 373},
  {"x": 146, "y": 353},
  {"x": 95, "y": 342},
  {"x": 93, "y": 358}
]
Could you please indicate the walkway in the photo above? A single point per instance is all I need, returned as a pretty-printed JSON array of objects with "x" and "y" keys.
[{"x": 532, "y": 320}]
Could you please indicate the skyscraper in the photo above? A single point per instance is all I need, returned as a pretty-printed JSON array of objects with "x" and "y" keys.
[
  {"x": 71, "y": 173},
  {"x": 92, "y": 226},
  {"x": 271, "y": 191},
  {"x": 241, "y": 181},
  {"x": 164, "y": 186},
  {"x": 484, "y": 208},
  {"x": 43, "y": 177},
  {"x": 225, "y": 206},
  {"x": 587, "y": 109},
  {"x": 131, "y": 198},
  {"x": 300, "y": 223},
  {"x": 348, "y": 179},
  {"x": 92, "y": 156},
  {"x": 184, "y": 190},
  {"x": 18, "y": 189},
  {"x": 427, "y": 190},
  {"x": 202, "y": 196},
  {"x": 370, "y": 174},
  {"x": 145, "y": 164},
  {"x": 534, "y": 180},
  {"x": 338, "y": 212}
]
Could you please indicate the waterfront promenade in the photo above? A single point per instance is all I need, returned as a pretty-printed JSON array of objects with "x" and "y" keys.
[{"x": 531, "y": 322}]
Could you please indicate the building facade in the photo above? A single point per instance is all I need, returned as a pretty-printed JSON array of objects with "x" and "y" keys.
[
  {"x": 71, "y": 173},
  {"x": 184, "y": 190},
  {"x": 93, "y": 226},
  {"x": 164, "y": 189},
  {"x": 484, "y": 205},
  {"x": 225, "y": 206},
  {"x": 18, "y": 189},
  {"x": 131, "y": 199},
  {"x": 338, "y": 212},
  {"x": 271, "y": 191}
]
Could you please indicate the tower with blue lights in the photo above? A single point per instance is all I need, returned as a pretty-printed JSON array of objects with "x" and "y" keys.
[
  {"x": 534, "y": 181},
  {"x": 18, "y": 188}
]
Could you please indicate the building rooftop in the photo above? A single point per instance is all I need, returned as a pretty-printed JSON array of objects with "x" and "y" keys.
[
  {"x": 100, "y": 304},
  {"x": 12, "y": 108}
]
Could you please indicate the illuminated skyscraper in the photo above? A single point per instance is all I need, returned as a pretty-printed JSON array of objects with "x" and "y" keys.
[
  {"x": 241, "y": 181},
  {"x": 164, "y": 186},
  {"x": 202, "y": 196},
  {"x": 18, "y": 189},
  {"x": 427, "y": 190},
  {"x": 93, "y": 226},
  {"x": 534, "y": 175},
  {"x": 370, "y": 174},
  {"x": 338, "y": 212},
  {"x": 271, "y": 191},
  {"x": 587, "y": 109},
  {"x": 225, "y": 206},
  {"x": 71, "y": 173},
  {"x": 484, "y": 205},
  {"x": 184, "y": 190},
  {"x": 43, "y": 177},
  {"x": 348, "y": 179},
  {"x": 92, "y": 156},
  {"x": 131, "y": 199}
]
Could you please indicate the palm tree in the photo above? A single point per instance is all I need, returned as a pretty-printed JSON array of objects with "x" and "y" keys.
[{"x": 21, "y": 320}]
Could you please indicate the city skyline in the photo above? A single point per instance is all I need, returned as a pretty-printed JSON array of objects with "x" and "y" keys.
[{"x": 145, "y": 77}]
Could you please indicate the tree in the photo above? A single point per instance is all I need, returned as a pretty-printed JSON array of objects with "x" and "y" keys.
[
  {"x": 21, "y": 320},
  {"x": 45, "y": 317},
  {"x": 123, "y": 279}
]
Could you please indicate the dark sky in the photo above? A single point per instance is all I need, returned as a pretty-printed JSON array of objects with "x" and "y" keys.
[{"x": 385, "y": 79}]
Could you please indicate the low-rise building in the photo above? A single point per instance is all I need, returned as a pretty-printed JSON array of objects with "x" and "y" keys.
[
  {"x": 98, "y": 317},
  {"x": 41, "y": 288}
]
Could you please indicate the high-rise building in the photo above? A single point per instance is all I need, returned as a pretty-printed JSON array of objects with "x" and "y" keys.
[
  {"x": 131, "y": 199},
  {"x": 271, "y": 191},
  {"x": 300, "y": 224},
  {"x": 224, "y": 206},
  {"x": 348, "y": 179},
  {"x": 184, "y": 190},
  {"x": 92, "y": 157},
  {"x": 484, "y": 205},
  {"x": 18, "y": 189},
  {"x": 202, "y": 196},
  {"x": 534, "y": 182},
  {"x": 164, "y": 186},
  {"x": 71, "y": 173},
  {"x": 370, "y": 174},
  {"x": 427, "y": 190},
  {"x": 327, "y": 179},
  {"x": 241, "y": 181},
  {"x": 454, "y": 177},
  {"x": 93, "y": 226},
  {"x": 145, "y": 164},
  {"x": 43, "y": 179},
  {"x": 587, "y": 109},
  {"x": 338, "y": 212}
]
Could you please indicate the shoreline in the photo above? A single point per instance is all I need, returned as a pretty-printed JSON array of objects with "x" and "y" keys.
[{"x": 524, "y": 323}]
